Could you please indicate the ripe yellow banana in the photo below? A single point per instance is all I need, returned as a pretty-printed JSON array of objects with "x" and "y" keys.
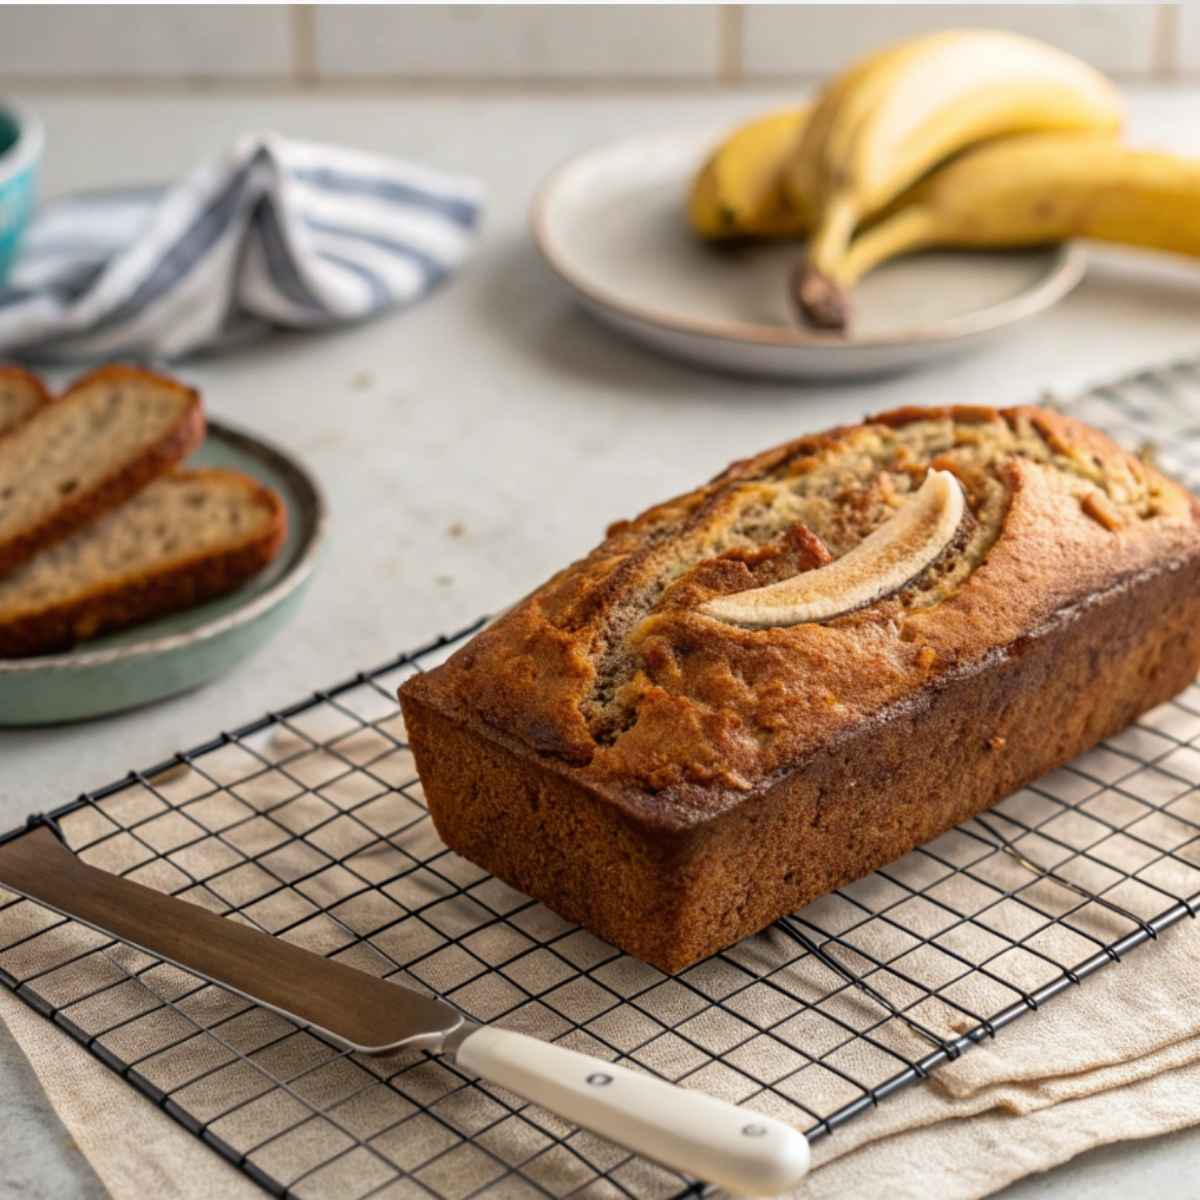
[
  {"x": 739, "y": 190},
  {"x": 1037, "y": 188},
  {"x": 913, "y": 106}
]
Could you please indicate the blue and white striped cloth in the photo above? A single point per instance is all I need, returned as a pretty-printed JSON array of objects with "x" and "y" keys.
[{"x": 270, "y": 233}]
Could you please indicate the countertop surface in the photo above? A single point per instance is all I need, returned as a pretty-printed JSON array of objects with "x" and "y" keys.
[{"x": 472, "y": 445}]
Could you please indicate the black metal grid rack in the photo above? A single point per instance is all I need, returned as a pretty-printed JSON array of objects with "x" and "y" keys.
[{"x": 309, "y": 823}]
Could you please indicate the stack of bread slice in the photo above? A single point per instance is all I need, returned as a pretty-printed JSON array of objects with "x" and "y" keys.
[{"x": 100, "y": 527}]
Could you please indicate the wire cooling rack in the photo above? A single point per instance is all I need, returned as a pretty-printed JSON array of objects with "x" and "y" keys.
[{"x": 310, "y": 823}]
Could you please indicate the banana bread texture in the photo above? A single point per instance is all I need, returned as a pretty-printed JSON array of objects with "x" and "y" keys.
[{"x": 675, "y": 782}]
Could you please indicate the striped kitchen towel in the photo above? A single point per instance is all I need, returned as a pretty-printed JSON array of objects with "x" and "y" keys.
[{"x": 272, "y": 233}]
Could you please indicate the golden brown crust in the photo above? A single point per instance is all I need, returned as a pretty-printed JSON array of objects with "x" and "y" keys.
[
  {"x": 13, "y": 375},
  {"x": 182, "y": 585},
  {"x": 672, "y": 895},
  {"x": 753, "y": 770},
  {"x": 80, "y": 508},
  {"x": 711, "y": 710}
]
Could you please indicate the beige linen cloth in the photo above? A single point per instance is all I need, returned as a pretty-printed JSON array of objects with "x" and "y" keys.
[
  {"x": 1117, "y": 1057},
  {"x": 1018, "y": 1127}
]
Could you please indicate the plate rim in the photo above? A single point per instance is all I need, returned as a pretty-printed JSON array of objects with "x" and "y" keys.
[
  {"x": 1063, "y": 275},
  {"x": 294, "y": 577}
]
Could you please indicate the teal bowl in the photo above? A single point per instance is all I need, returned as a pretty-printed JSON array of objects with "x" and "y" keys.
[{"x": 21, "y": 144}]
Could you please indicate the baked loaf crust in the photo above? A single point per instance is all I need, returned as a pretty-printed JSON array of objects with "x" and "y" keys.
[
  {"x": 675, "y": 781},
  {"x": 21, "y": 395}
]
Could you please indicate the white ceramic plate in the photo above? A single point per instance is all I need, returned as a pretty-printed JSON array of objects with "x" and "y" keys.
[{"x": 610, "y": 223}]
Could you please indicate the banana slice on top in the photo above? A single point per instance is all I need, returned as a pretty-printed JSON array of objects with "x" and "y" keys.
[{"x": 882, "y": 563}]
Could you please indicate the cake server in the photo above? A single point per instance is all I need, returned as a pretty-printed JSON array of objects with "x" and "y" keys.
[{"x": 743, "y": 1152}]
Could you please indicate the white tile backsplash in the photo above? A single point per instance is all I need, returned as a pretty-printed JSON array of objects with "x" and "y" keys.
[
  {"x": 562, "y": 42},
  {"x": 144, "y": 42},
  {"x": 519, "y": 41},
  {"x": 808, "y": 40}
]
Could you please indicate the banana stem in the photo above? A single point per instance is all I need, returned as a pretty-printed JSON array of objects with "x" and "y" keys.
[
  {"x": 905, "y": 231},
  {"x": 816, "y": 286}
]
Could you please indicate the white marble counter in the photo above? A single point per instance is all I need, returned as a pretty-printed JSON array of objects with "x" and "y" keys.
[{"x": 471, "y": 446}]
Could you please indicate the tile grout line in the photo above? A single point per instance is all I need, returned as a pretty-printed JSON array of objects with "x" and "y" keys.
[
  {"x": 304, "y": 44},
  {"x": 731, "y": 43},
  {"x": 432, "y": 86},
  {"x": 1165, "y": 48},
  {"x": 439, "y": 87}
]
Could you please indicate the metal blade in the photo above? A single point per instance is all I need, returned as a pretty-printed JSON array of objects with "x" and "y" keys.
[{"x": 357, "y": 1009}]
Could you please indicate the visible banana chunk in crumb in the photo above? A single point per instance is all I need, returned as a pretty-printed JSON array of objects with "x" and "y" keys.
[{"x": 1098, "y": 506}]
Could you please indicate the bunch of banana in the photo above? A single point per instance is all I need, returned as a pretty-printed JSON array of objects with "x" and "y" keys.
[
  {"x": 921, "y": 103},
  {"x": 968, "y": 138}
]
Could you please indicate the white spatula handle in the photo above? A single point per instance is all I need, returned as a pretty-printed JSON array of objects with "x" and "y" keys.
[{"x": 747, "y": 1154}]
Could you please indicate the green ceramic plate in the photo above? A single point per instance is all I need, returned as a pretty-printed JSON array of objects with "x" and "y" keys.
[{"x": 171, "y": 655}]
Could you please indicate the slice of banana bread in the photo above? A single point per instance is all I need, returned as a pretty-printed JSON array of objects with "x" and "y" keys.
[
  {"x": 761, "y": 690},
  {"x": 185, "y": 538},
  {"x": 105, "y": 438},
  {"x": 21, "y": 394}
]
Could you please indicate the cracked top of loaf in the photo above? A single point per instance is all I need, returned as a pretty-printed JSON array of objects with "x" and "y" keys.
[{"x": 610, "y": 669}]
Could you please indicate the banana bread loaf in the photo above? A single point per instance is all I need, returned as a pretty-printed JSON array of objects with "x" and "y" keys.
[{"x": 761, "y": 690}]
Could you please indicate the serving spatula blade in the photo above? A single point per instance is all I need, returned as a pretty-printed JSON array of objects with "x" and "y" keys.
[{"x": 357, "y": 1009}]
